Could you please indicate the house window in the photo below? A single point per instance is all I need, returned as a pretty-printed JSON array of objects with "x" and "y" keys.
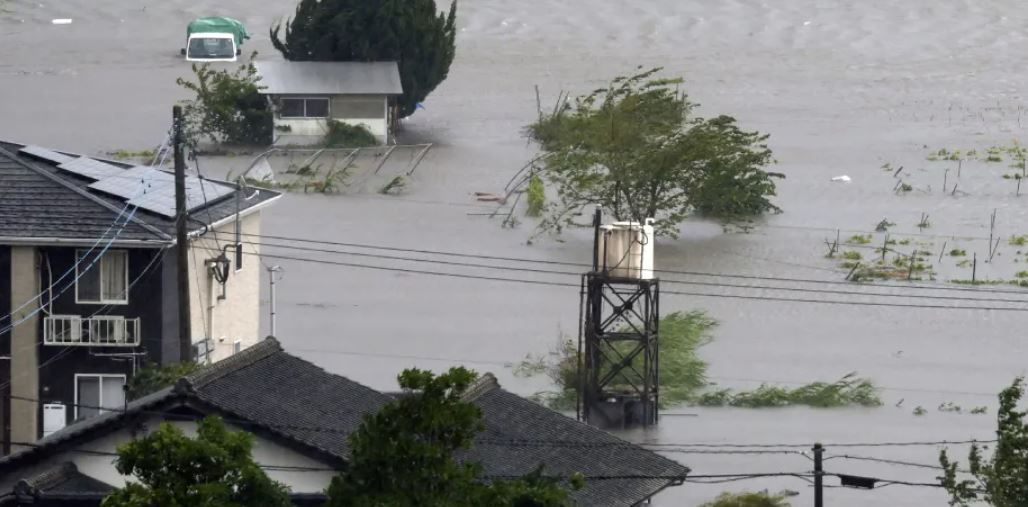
[
  {"x": 97, "y": 394},
  {"x": 105, "y": 281},
  {"x": 304, "y": 108}
]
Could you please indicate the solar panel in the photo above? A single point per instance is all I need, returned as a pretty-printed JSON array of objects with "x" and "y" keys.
[
  {"x": 45, "y": 154},
  {"x": 132, "y": 182},
  {"x": 90, "y": 168},
  {"x": 154, "y": 190}
]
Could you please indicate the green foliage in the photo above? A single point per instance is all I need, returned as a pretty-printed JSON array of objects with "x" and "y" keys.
[
  {"x": 852, "y": 255},
  {"x": 849, "y": 390},
  {"x": 860, "y": 239},
  {"x": 344, "y": 135},
  {"x": 957, "y": 252},
  {"x": 394, "y": 186},
  {"x": 411, "y": 32},
  {"x": 1019, "y": 240},
  {"x": 682, "y": 372},
  {"x": 404, "y": 454},
  {"x": 635, "y": 148},
  {"x": 214, "y": 469},
  {"x": 1002, "y": 479},
  {"x": 536, "y": 195},
  {"x": 762, "y": 499},
  {"x": 979, "y": 410},
  {"x": 228, "y": 107},
  {"x": 147, "y": 155},
  {"x": 919, "y": 411},
  {"x": 154, "y": 377}
]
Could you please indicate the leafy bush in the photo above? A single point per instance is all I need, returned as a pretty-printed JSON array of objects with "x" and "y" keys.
[
  {"x": 761, "y": 499},
  {"x": 536, "y": 196},
  {"x": 228, "y": 107},
  {"x": 849, "y": 390},
  {"x": 344, "y": 135},
  {"x": 154, "y": 377},
  {"x": 682, "y": 372}
]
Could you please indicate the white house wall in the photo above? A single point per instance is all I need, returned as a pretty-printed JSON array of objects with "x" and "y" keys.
[
  {"x": 349, "y": 109},
  {"x": 237, "y": 317},
  {"x": 265, "y": 452}
]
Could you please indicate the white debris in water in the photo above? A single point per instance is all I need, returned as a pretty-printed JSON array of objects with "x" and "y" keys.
[
  {"x": 62, "y": 21},
  {"x": 806, "y": 23},
  {"x": 844, "y": 178}
]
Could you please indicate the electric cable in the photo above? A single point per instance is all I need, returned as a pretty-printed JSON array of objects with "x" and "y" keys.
[
  {"x": 663, "y": 280},
  {"x": 981, "y": 290},
  {"x": 673, "y": 293}
]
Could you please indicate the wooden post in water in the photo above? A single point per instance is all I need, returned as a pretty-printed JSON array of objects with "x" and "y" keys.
[
  {"x": 943, "y": 251},
  {"x": 974, "y": 268},
  {"x": 913, "y": 258}
]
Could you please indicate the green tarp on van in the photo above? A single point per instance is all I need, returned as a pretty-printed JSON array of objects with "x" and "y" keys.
[{"x": 218, "y": 24}]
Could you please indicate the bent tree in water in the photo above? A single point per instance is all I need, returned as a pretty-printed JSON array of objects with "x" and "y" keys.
[
  {"x": 1002, "y": 480},
  {"x": 636, "y": 149}
]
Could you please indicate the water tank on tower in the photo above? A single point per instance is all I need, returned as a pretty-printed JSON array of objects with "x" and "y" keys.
[{"x": 625, "y": 249}]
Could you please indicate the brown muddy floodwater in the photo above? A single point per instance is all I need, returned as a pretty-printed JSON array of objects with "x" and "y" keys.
[{"x": 842, "y": 89}]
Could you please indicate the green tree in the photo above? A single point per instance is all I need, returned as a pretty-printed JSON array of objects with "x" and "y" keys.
[
  {"x": 1002, "y": 480},
  {"x": 411, "y": 32},
  {"x": 403, "y": 454},
  {"x": 748, "y": 500},
  {"x": 214, "y": 469},
  {"x": 635, "y": 148},
  {"x": 154, "y": 377},
  {"x": 682, "y": 372},
  {"x": 228, "y": 107}
]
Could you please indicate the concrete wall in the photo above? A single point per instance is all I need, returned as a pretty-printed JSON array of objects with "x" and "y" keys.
[
  {"x": 25, "y": 286},
  {"x": 237, "y": 317},
  {"x": 265, "y": 452}
]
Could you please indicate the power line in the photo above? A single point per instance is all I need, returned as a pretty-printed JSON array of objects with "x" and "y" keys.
[
  {"x": 674, "y": 293},
  {"x": 914, "y": 443},
  {"x": 668, "y": 271},
  {"x": 667, "y": 281}
]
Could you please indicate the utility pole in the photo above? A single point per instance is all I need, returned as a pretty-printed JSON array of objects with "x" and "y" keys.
[
  {"x": 181, "y": 239},
  {"x": 819, "y": 500},
  {"x": 272, "y": 271}
]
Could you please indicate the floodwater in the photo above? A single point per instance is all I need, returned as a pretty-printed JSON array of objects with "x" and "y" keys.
[{"x": 843, "y": 89}]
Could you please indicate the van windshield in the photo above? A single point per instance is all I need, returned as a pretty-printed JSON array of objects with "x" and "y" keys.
[{"x": 211, "y": 48}]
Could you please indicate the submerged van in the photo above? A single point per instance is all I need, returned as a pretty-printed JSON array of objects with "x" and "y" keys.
[{"x": 214, "y": 39}]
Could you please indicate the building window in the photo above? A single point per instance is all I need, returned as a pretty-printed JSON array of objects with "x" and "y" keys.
[
  {"x": 104, "y": 281},
  {"x": 96, "y": 394},
  {"x": 304, "y": 108}
]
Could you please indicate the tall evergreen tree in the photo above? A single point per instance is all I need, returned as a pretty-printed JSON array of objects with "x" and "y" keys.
[{"x": 411, "y": 32}]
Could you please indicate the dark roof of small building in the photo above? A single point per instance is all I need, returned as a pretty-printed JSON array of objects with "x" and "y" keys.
[
  {"x": 63, "y": 478},
  {"x": 329, "y": 78},
  {"x": 41, "y": 203},
  {"x": 297, "y": 402}
]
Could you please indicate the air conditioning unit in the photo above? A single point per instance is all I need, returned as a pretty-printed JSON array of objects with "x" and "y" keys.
[
  {"x": 55, "y": 418},
  {"x": 625, "y": 249}
]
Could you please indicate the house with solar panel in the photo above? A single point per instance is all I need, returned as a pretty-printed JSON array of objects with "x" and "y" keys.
[
  {"x": 88, "y": 287},
  {"x": 307, "y": 96}
]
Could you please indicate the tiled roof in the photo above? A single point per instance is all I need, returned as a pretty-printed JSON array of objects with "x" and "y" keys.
[
  {"x": 63, "y": 478},
  {"x": 520, "y": 435},
  {"x": 39, "y": 201},
  {"x": 300, "y": 402}
]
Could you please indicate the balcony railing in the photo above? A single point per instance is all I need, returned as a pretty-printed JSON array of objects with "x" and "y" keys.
[{"x": 97, "y": 331}]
